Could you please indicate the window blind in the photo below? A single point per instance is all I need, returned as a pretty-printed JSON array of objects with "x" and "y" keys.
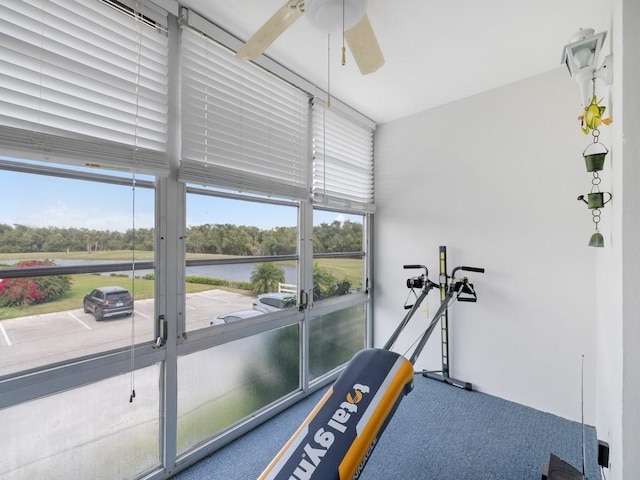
[
  {"x": 243, "y": 129},
  {"x": 342, "y": 161},
  {"x": 83, "y": 83}
]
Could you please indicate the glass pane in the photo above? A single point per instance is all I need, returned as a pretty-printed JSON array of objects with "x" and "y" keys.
[
  {"x": 88, "y": 432},
  {"x": 65, "y": 222},
  {"x": 584, "y": 54},
  {"x": 220, "y": 229},
  {"x": 335, "y": 338},
  {"x": 339, "y": 234},
  {"x": 222, "y": 385}
]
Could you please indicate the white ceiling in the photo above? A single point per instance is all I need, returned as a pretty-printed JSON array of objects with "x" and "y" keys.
[{"x": 436, "y": 51}]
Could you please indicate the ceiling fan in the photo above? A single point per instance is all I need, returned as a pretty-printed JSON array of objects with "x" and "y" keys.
[{"x": 349, "y": 15}]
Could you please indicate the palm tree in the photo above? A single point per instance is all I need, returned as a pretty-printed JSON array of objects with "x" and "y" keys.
[{"x": 266, "y": 277}]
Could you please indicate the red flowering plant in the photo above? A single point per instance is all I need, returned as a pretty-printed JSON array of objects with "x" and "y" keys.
[{"x": 16, "y": 292}]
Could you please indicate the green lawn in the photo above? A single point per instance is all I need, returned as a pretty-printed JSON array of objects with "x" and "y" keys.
[
  {"x": 341, "y": 268},
  {"x": 83, "y": 284},
  {"x": 123, "y": 255}
]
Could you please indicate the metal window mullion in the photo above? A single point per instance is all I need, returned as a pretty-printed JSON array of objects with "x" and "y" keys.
[
  {"x": 367, "y": 275},
  {"x": 305, "y": 263},
  {"x": 305, "y": 275},
  {"x": 170, "y": 273},
  {"x": 52, "y": 171},
  {"x": 170, "y": 260}
]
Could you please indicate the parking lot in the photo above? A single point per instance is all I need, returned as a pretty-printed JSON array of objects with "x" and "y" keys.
[{"x": 33, "y": 341}]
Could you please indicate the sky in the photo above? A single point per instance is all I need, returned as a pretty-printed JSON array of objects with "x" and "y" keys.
[{"x": 44, "y": 201}]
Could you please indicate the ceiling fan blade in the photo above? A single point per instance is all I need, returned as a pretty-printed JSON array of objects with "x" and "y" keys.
[
  {"x": 271, "y": 30},
  {"x": 364, "y": 46}
]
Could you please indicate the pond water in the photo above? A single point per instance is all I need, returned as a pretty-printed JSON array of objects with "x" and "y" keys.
[{"x": 240, "y": 272}]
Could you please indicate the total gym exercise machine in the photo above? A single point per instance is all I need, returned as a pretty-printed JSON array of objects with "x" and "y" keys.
[{"x": 337, "y": 438}]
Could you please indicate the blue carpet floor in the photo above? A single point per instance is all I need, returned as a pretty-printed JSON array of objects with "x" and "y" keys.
[{"x": 439, "y": 432}]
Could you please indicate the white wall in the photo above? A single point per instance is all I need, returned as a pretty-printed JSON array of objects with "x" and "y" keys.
[
  {"x": 618, "y": 328},
  {"x": 495, "y": 178},
  {"x": 630, "y": 140}
]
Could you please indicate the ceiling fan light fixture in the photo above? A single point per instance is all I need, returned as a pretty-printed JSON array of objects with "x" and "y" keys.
[
  {"x": 346, "y": 16},
  {"x": 327, "y": 15}
]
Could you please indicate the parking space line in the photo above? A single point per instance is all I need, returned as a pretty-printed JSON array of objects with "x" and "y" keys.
[
  {"x": 4, "y": 334},
  {"x": 80, "y": 321},
  {"x": 212, "y": 296},
  {"x": 142, "y": 315}
]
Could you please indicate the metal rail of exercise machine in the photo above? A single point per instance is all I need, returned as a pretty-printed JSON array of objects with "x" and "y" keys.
[
  {"x": 337, "y": 438},
  {"x": 468, "y": 295}
]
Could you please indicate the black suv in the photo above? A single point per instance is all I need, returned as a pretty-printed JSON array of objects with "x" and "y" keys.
[{"x": 106, "y": 302}]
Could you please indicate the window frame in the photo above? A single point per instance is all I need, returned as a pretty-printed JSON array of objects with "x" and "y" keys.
[
  {"x": 73, "y": 174},
  {"x": 216, "y": 193}
]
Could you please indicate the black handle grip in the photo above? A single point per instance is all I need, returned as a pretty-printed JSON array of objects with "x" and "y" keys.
[
  {"x": 472, "y": 269},
  {"x": 413, "y": 266}
]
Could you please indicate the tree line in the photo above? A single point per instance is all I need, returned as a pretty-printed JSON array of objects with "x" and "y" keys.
[{"x": 225, "y": 239}]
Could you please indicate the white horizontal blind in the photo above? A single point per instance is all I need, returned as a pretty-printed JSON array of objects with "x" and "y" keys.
[
  {"x": 342, "y": 161},
  {"x": 243, "y": 129},
  {"x": 83, "y": 83}
]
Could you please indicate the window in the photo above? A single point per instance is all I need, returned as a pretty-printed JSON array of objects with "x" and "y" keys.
[
  {"x": 244, "y": 131},
  {"x": 338, "y": 252},
  {"x": 334, "y": 338},
  {"x": 75, "y": 434},
  {"x": 246, "y": 375},
  {"x": 89, "y": 244},
  {"x": 241, "y": 255},
  {"x": 338, "y": 321}
]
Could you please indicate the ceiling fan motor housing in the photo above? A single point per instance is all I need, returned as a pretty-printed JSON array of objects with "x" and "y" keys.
[{"x": 327, "y": 15}]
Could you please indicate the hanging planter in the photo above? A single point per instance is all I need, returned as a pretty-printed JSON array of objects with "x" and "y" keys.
[
  {"x": 594, "y": 160},
  {"x": 595, "y": 201}
]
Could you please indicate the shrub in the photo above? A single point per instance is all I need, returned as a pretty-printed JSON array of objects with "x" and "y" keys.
[
  {"x": 325, "y": 285},
  {"x": 219, "y": 282},
  {"x": 16, "y": 292}
]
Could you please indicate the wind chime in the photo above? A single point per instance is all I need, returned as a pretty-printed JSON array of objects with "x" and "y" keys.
[{"x": 594, "y": 156}]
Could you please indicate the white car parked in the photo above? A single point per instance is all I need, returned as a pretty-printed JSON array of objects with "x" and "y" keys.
[
  {"x": 273, "y": 302},
  {"x": 235, "y": 316}
]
